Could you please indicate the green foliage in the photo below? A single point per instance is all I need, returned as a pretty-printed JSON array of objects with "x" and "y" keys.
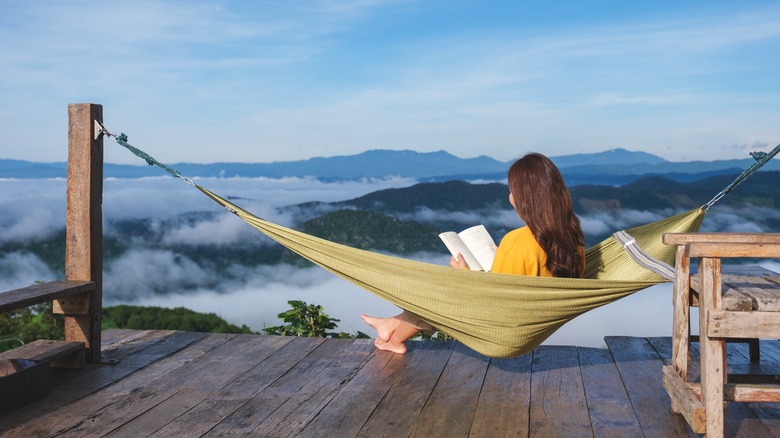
[
  {"x": 159, "y": 318},
  {"x": 308, "y": 320},
  {"x": 9, "y": 344},
  {"x": 437, "y": 336},
  {"x": 31, "y": 323}
]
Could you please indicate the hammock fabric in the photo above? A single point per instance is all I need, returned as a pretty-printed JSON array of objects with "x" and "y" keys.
[{"x": 495, "y": 314}]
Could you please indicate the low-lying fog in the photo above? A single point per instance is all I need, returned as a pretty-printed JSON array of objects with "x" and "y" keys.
[{"x": 35, "y": 209}]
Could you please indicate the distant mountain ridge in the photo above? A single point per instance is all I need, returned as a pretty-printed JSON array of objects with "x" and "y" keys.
[{"x": 615, "y": 166}]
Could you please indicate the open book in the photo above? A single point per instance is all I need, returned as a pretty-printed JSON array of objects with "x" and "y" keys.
[{"x": 474, "y": 243}]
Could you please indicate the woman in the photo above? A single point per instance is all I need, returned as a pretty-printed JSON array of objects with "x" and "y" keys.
[{"x": 550, "y": 245}]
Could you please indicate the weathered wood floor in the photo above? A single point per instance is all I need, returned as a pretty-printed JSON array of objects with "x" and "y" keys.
[{"x": 193, "y": 384}]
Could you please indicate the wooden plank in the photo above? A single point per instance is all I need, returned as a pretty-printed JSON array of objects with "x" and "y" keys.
[
  {"x": 558, "y": 404},
  {"x": 752, "y": 393},
  {"x": 222, "y": 403},
  {"x": 41, "y": 293},
  {"x": 454, "y": 399},
  {"x": 270, "y": 407},
  {"x": 300, "y": 409},
  {"x": 397, "y": 413},
  {"x": 770, "y": 350},
  {"x": 158, "y": 386},
  {"x": 640, "y": 368},
  {"x": 686, "y": 400},
  {"x": 725, "y": 324},
  {"x": 88, "y": 381},
  {"x": 349, "y": 410},
  {"x": 44, "y": 350},
  {"x": 609, "y": 407},
  {"x": 732, "y": 250},
  {"x": 683, "y": 238},
  {"x": 100, "y": 411},
  {"x": 503, "y": 406},
  {"x": 765, "y": 295},
  {"x": 164, "y": 398}
]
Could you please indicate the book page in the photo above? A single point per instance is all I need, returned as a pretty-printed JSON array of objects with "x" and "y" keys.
[
  {"x": 455, "y": 244},
  {"x": 482, "y": 247}
]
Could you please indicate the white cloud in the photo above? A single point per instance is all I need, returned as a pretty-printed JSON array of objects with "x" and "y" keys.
[
  {"x": 21, "y": 269},
  {"x": 31, "y": 211}
]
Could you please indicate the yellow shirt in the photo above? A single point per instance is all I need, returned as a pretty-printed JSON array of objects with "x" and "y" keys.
[{"x": 520, "y": 254}]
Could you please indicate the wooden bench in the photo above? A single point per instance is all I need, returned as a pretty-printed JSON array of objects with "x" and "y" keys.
[
  {"x": 738, "y": 303},
  {"x": 24, "y": 371},
  {"x": 41, "y": 293}
]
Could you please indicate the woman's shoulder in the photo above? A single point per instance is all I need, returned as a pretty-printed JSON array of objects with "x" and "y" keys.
[{"x": 519, "y": 233}]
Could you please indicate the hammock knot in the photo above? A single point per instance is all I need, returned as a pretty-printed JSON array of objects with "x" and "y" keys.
[{"x": 758, "y": 155}]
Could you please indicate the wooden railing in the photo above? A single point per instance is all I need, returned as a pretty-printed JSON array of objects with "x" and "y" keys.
[{"x": 79, "y": 297}]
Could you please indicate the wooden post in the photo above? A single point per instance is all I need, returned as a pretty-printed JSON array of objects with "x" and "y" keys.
[
  {"x": 681, "y": 326},
  {"x": 84, "y": 227},
  {"x": 712, "y": 350}
]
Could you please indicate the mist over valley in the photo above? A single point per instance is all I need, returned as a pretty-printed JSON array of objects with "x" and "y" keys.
[{"x": 165, "y": 244}]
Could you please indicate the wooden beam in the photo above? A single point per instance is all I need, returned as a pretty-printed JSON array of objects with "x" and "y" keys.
[
  {"x": 730, "y": 250},
  {"x": 744, "y": 392},
  {"x": 712, "y": 350},
  {"x": 684, "y": 398},
  {"x": 681, "y": 326},
  {"x": 40, "y": 293},
  {"x": 725, "y": 324},
  {"x": 84, "y": 222},
  {"x": 684, "y": 238}
]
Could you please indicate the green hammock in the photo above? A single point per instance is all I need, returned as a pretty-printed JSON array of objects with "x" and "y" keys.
[{"x": 494, "y": 314}]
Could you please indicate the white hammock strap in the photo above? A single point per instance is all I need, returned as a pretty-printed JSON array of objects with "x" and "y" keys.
[{"x": 642, "y": 258}]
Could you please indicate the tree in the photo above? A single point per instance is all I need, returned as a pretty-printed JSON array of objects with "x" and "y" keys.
[
  {"x": 31, "y": 323},
  {"x": 160, "y": 318},
  {"x": 308, "y": 320}
]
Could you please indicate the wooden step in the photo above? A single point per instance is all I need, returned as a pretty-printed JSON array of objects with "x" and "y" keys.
[
  {"x": 25, "y": 370},
  {"x": 44, "y": 350}
]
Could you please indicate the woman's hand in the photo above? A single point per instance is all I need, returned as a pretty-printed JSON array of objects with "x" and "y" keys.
[{"x": 458, "y": 262}]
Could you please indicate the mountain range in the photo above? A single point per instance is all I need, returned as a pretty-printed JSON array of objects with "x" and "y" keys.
[{"x": 613, "y": 167}]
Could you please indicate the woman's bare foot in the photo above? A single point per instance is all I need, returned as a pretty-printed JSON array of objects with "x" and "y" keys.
[
  {"x": 390, "y": 346},
  {"x": 385, "y": 327}
]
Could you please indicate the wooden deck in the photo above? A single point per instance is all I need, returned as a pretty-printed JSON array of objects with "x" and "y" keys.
[{"x": 194, "y": 384}]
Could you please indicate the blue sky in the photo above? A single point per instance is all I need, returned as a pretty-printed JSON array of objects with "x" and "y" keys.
[{"x": 260, "y": 81}]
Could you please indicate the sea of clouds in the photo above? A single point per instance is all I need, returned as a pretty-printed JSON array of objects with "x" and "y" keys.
[{"x": 34, "y": 209}]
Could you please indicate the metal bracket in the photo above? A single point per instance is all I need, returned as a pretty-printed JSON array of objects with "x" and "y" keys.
[
  {"x": 105, "y": 361},
  {"x": 99, "y": 130}
]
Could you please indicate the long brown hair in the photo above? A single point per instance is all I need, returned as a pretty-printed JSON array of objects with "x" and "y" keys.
[{"x": 544, "y": 203}]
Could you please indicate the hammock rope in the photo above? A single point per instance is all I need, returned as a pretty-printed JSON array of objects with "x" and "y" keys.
[
  {"x": 497, "y": 315},
  {"x": 761, "y": 159}
]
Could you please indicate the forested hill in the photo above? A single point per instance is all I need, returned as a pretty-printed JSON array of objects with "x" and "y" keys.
[
  {"x": 394, "y": 217},
  {"x": 648, "y": 193}
]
